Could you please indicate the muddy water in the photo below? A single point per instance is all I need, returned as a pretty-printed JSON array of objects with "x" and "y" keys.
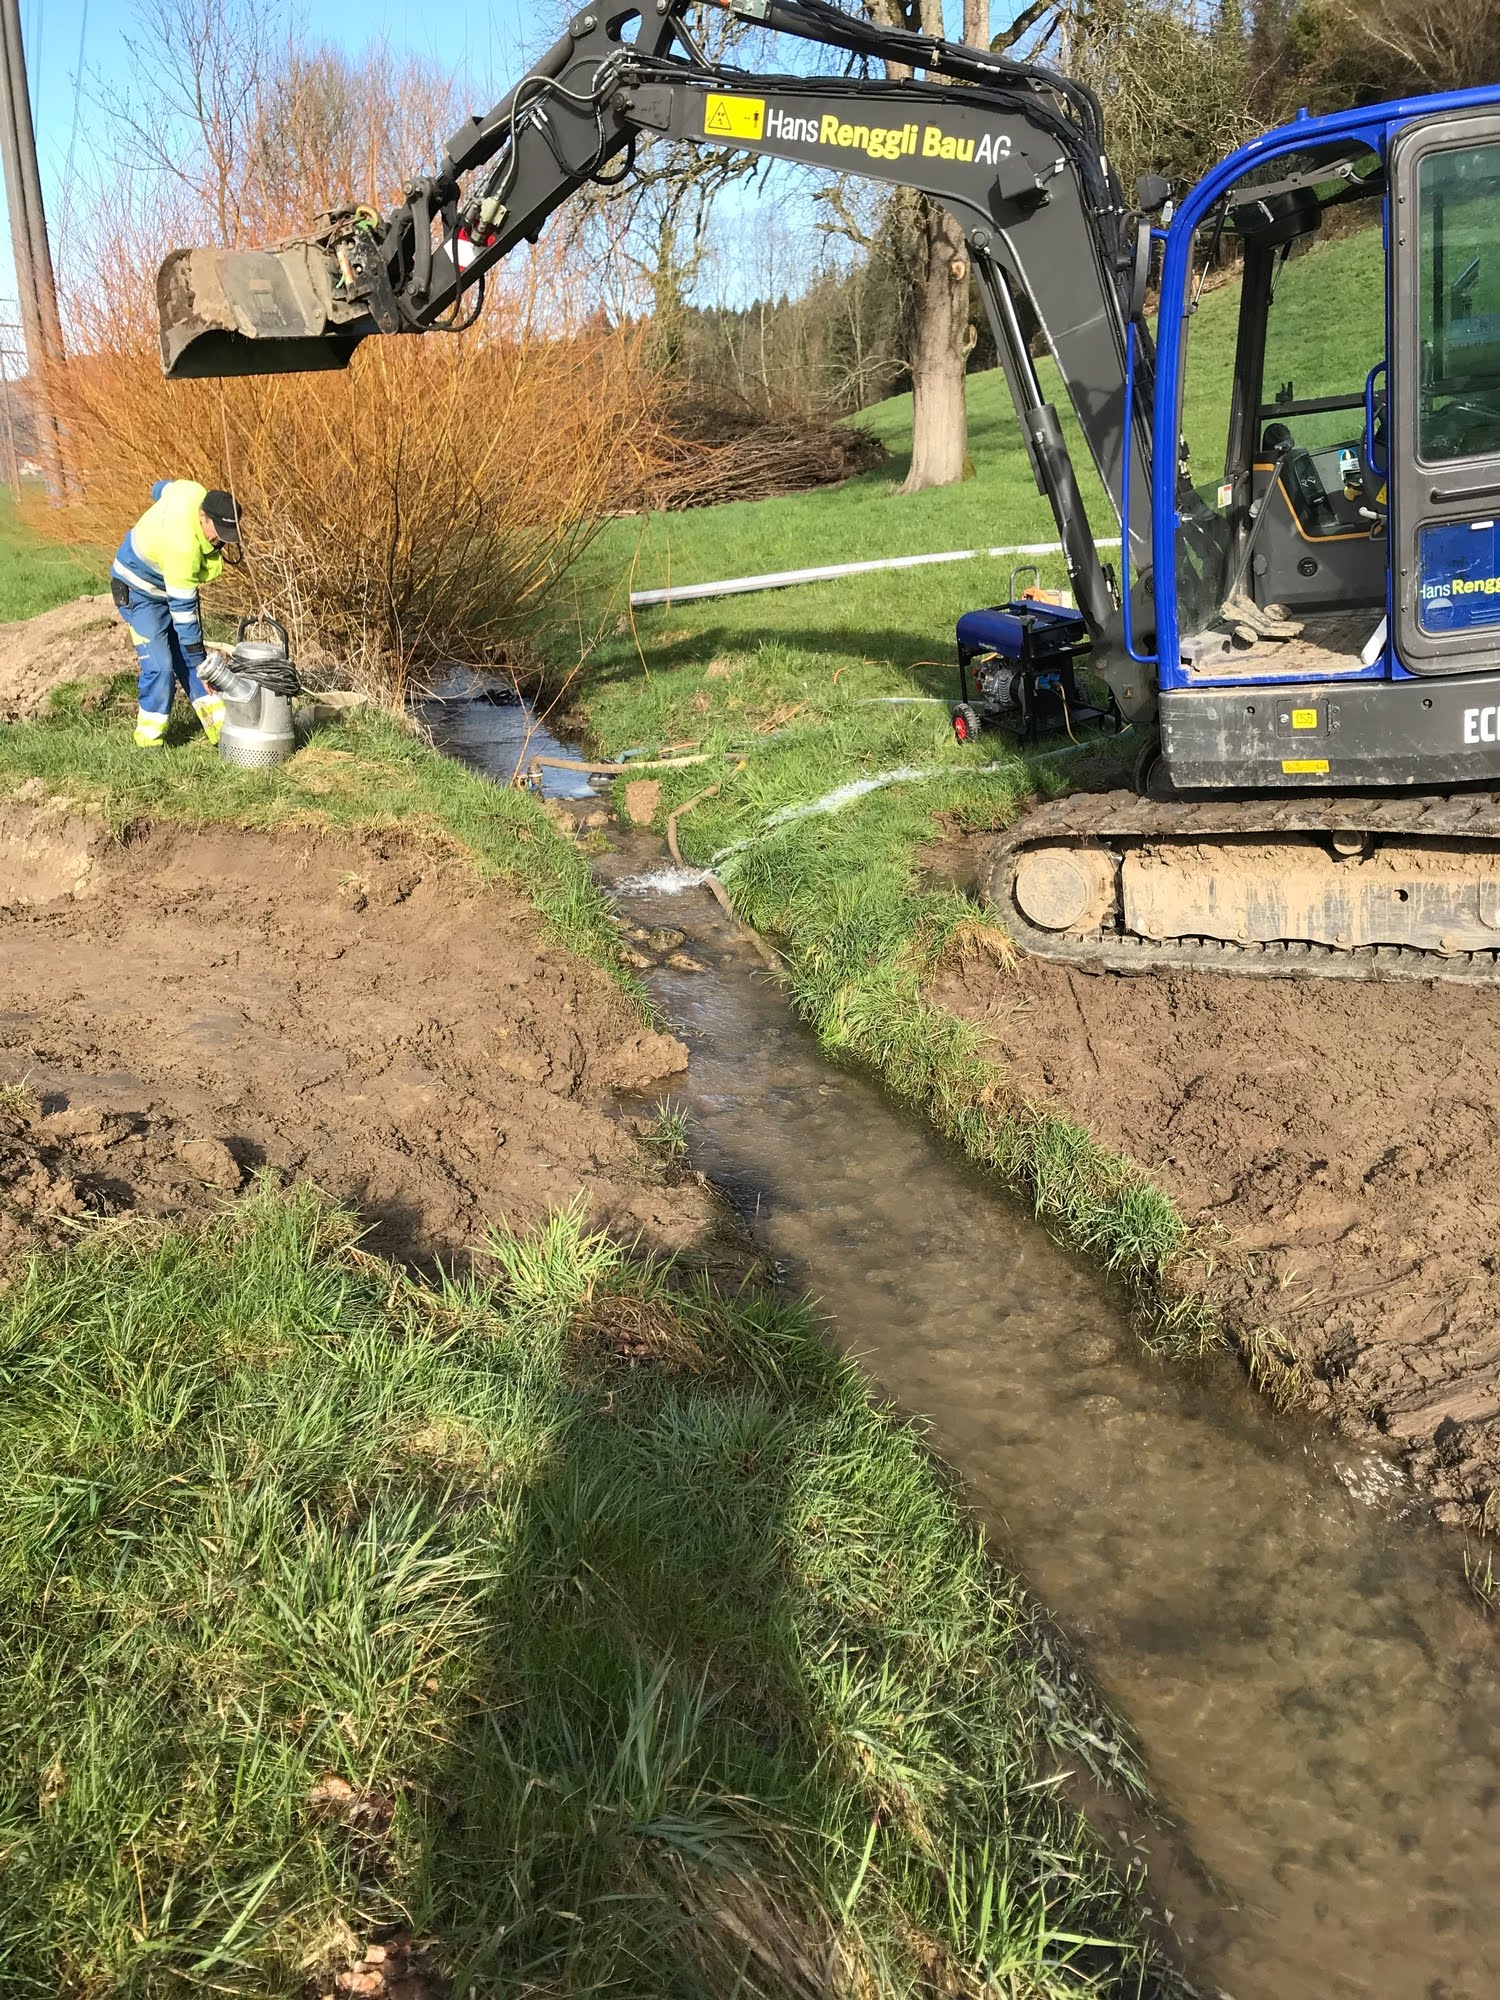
[
  {"x": 476, "y": 719},
  {"x": 1315, "y": 1691}
]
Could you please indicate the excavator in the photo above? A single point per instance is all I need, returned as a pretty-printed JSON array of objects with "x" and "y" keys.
[{"x": 1303, "y": 625}]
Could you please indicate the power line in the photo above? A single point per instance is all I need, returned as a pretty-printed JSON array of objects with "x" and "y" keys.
[{"x": 83, "y": 31}]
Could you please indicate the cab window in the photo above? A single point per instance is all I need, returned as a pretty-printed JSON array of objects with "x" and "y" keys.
[
  {"x": 1458, "y": 196},
  {"x": 1282, "y": 507}
]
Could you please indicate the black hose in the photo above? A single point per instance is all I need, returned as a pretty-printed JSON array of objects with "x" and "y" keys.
[{"x": 275, "y": 676}]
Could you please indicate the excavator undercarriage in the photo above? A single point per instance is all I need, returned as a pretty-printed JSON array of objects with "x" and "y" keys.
[{"x": 1312, "y": 888}]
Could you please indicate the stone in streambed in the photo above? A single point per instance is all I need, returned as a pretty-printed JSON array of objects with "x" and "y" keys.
[{"x": 640, "y": 1060}]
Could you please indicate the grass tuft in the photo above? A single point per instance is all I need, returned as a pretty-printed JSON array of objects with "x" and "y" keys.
[
  {"x": 668, "y": 1131},
  {"x": 18, "y": 1101},
  {"x": 342, "y": 1604},
  {"x": 1481, "y": 1578}
]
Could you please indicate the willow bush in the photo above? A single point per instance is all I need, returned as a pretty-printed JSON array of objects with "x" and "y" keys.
[{"x": 413, "y": 508}]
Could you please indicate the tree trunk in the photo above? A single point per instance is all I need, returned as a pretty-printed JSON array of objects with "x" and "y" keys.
[
  {"x": 940, "y": 348},
  {"x": 942, "y": 336}
]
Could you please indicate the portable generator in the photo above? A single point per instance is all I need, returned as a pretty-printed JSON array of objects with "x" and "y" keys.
[{"x": 1017, "y": 668}]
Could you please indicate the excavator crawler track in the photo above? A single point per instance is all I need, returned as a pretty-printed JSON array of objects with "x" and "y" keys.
[{"x": 1112, "y": 824}]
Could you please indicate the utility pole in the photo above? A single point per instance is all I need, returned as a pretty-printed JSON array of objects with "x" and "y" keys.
[
  {"x": 28, "y": 234},
  {"x": 12, "y": 456}
]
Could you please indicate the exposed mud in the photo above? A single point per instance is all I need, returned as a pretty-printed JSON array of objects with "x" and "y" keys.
[
  {"x": 1343, "y": 1135},
  {"x": 80, "y": 641},
  {"x": 181, "y": 1009}
]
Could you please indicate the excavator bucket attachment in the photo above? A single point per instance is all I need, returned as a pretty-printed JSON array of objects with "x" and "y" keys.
[{"x": 249, "y": 312}]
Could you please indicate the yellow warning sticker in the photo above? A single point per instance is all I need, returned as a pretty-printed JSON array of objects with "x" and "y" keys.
[
  {"x": 1304, "y": 718},
  {"x": 734, "y": 117},
  {"x": 1304, "y": 766}
]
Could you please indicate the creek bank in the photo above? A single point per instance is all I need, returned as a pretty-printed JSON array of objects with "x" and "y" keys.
[
  {"x": 668, "y": 1535},
  {"x": 81, "y": 641},
  {"x": 192, "y": 1004},
  {"x": 1332, "y": 1141},
  {"x": 1312, "y": 1685}
]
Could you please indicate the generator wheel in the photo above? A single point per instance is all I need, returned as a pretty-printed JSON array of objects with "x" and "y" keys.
[{"x": 967, "y": 727}]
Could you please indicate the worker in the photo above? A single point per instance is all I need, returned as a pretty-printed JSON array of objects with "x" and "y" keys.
[{"x": 178, "y": 544}]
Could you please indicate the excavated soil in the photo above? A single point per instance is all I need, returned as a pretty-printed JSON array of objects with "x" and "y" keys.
[
  {"x": 81, "y": 641},
  {"x": 1342, "y": 1134},
  {"x": 183, "y": 1008}
]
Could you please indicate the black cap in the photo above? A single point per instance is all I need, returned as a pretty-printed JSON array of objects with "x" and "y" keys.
[{"x": 225, "y": 515}]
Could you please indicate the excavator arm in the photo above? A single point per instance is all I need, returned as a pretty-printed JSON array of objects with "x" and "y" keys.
[{"x": 1013, "y": 151}]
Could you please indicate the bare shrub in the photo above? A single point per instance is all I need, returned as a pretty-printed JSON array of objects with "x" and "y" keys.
[
  {"x": 411, "y": 509},
  {"x": 709, "y": 454}
]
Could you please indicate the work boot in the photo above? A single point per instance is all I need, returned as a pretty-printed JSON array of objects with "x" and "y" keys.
[
  {"x": 210, "y": 712},
  {"x": 150, "y": 730}
]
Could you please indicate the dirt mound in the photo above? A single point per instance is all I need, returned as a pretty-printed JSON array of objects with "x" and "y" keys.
[
  {"x": 183, "y": 1009},
  {"x": 1343, "y": 1135},
  {"x": 81, "y": 641}
]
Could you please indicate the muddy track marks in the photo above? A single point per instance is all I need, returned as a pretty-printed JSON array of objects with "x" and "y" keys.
[{"x": 359, "y": 1011}]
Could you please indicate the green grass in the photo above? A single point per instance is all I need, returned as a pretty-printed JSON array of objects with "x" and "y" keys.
[
  {"x": 34, "y": 576},
  {"x": 794, "y": 680},
  {"x": 589, "y": 1624},
  {"x": 1325, "y": 333},
  {"x": 861, "y": 520},
  {"x": 668, "y": 1131}
]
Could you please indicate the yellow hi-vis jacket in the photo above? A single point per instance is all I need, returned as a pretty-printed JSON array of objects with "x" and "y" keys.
[{"x": 167, "y": 556}]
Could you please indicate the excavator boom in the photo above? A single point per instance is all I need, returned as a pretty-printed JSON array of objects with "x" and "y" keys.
[{"x": 1015, "y": 152}]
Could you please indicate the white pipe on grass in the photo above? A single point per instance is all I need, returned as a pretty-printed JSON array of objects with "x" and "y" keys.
[{"x": 781, "y": 579}]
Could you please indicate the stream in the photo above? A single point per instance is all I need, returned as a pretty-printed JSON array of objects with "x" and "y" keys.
[{"x": 1286, "y": 1633}]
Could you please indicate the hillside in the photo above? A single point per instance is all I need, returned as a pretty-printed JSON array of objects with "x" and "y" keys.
[{"x": 865, "y": 518}]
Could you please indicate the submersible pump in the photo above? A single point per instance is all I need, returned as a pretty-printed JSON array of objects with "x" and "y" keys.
[{"x": 257, "y": 682}]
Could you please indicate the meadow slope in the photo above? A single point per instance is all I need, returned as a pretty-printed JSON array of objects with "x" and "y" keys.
[{"x": 1291, "y": 1168}]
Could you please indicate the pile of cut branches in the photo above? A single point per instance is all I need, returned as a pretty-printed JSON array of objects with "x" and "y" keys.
[{"x": 710, "y": 454}]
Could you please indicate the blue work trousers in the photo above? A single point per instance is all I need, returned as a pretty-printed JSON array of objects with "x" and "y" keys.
[{"x": 159, "y": 653}]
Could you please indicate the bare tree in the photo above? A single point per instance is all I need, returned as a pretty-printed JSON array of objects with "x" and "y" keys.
[
  {"x": 205, "y": 80},
  {"x": 1174, "y": 78},
  {"x": 942, "y": 333},
  {"x": 1330, "y": 53},
  {"x": 655, "y": 225}
]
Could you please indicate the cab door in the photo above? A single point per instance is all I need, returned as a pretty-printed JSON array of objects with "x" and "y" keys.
[{"x": 1444, "y": 438}]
